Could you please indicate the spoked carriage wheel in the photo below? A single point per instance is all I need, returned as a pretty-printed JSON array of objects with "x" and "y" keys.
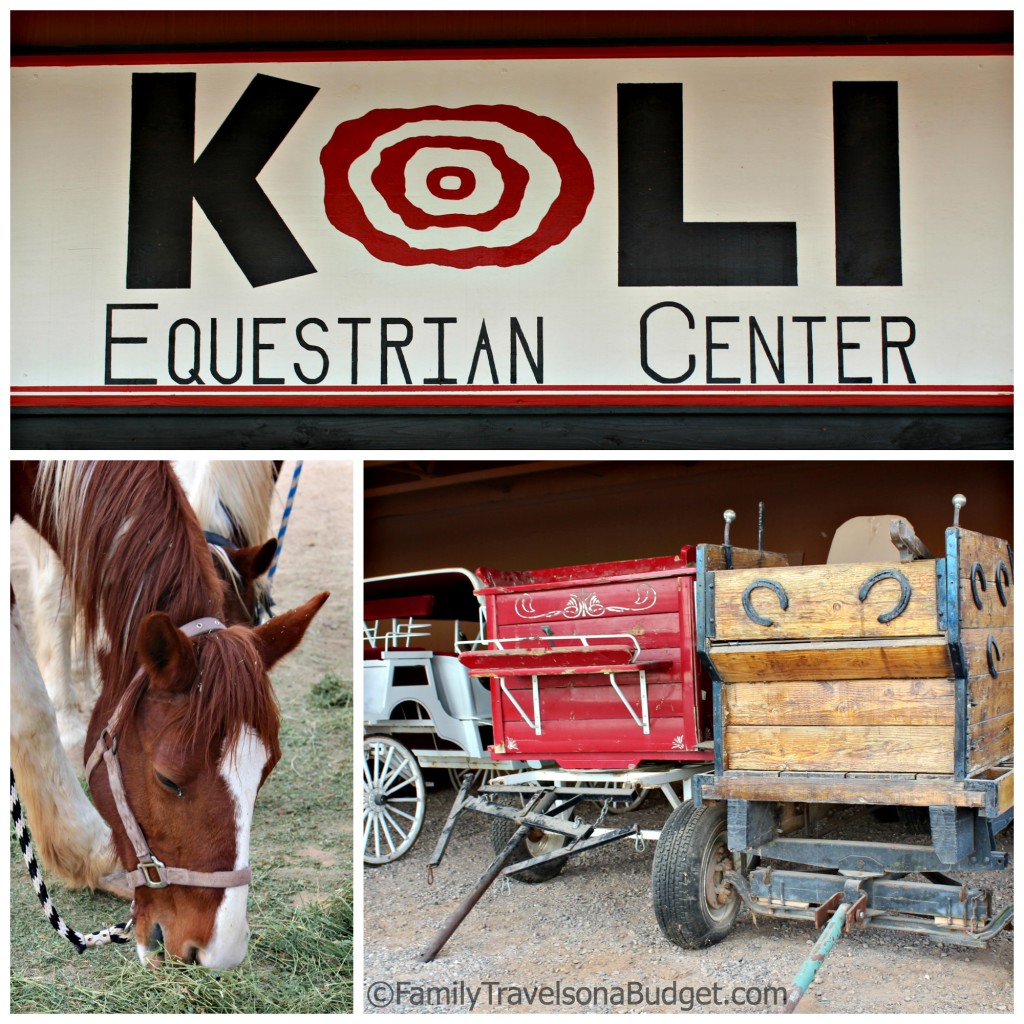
[
  {"x": 394, "y": 800},
  {"x": 693, "y": 903}
]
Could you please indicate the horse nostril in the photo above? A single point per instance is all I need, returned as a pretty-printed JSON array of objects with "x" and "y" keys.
[
  {"x": 192, "y": 954},
  {"x": 151, "y": 951}
]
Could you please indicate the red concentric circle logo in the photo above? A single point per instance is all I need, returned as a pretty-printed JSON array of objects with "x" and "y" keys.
[{"x": 455, "y": 186}]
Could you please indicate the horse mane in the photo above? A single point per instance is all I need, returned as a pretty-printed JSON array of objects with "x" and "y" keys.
[
  {"x": 232, "y": 577},
  {"x": 131, "y": 544},
  {"x": 217, "y": 709},
  {"x": 231, "y": 498}
]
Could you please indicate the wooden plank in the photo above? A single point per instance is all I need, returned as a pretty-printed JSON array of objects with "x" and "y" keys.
[
  {"x": 909, "y": 659},
  {"x": 979, "y": 547},
  {"x": 574, "y": 699},
  {"x": 975, "y": 643},
  {"x": 988, "y": 697},
  {"x": 600, "y": 738},
  {"x": 841, "y": 702},
  {"x": 742, "y": 558},
  {"x": 547, "y": 673},
  {"x": 840, "y": 748},
  {"x": 992, "y": 613},
  {"x": 823, "y": 602},
  {"x": 990, "y": 558},
  {"x": 548, "y": 659},
  {"x": 661, "y": 664},
  {"x": 907, "y": 791},
  {"x": 504, "y": 581},
  {"x": 651, "y": 631},
  {"x": 989, "y": 742},
  {"x": 1004, "y": 793},
  {"x": 621, "y": 602}
]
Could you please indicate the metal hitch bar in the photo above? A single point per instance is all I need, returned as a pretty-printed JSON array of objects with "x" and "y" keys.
[{"x": 845, "y": 915}]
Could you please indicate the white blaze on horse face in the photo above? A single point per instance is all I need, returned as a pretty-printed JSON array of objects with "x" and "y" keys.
[{"x": 241, "y": 768}]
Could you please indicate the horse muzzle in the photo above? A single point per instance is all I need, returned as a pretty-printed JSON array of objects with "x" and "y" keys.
[{"x": 226, "y": 949}]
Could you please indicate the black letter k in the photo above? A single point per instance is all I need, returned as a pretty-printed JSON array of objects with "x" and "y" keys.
[{"x": 165, "y": 178}]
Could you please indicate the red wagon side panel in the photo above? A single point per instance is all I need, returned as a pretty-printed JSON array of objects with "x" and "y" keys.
[{"x": 643, "y": 699}]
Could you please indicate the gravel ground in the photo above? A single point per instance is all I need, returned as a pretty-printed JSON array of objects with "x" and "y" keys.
[{"x": 594, "y": 926}]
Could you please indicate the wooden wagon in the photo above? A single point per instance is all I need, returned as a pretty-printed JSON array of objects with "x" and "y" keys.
[{"x": 844, "y": 685}]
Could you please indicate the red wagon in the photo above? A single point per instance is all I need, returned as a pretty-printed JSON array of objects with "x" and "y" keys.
[{"x": 596, "y": 667}]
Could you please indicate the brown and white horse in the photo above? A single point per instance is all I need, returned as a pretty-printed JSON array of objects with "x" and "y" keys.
[
  {"x": 232, "y": 500},
  {"x": 191, "y": 718}
]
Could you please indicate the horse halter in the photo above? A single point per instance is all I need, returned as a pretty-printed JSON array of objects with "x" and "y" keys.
[{"x": 150, "y": 871}]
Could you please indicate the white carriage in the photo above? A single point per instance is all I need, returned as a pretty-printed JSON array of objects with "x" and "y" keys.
[{"x": 421, "y": 708}]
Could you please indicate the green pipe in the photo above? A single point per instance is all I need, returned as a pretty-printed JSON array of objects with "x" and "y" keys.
[{"x": 811, "y": 966}]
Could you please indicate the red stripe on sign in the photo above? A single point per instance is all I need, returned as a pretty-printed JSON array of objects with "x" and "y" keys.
[{"x": 745, "y": 396}]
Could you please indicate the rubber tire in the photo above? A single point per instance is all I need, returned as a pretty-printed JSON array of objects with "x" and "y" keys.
[
  {"x": 502, "y": 830},
  {"x": 677, "y": 885}
]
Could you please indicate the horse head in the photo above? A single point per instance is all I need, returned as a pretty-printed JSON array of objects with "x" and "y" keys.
[
  {"x": 191, "y": 741},
  {"x": 246, "y": 593}
]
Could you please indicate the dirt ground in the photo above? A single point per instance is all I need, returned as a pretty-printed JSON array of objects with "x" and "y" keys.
[
  {"x": 593, "y": 927},
  {"x": 317, "y": 555}
]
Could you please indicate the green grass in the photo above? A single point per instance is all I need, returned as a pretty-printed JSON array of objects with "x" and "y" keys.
[
  {"x": 331, "y": 692},
  {"x": 300, "y": 902},
  {"x": 300, "y": 961}
]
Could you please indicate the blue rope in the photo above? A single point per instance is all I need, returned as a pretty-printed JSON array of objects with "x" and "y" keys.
[{"x": 285, "y": 516}]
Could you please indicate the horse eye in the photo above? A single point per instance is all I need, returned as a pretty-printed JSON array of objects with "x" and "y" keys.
[{"x": 172, "y": 786}]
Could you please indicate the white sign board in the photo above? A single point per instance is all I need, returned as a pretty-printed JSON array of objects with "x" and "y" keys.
[{"x": 656, "y": 227}]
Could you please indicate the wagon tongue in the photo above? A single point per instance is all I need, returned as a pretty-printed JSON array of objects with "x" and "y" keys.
[{"x": 547, "y": 810}]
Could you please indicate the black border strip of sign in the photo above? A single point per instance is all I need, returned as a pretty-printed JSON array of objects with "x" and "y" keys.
[{"x": 254, "y": 428}]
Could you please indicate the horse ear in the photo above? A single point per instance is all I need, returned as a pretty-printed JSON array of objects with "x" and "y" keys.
[
  {"x": 166, "y": 653},
  {"x": 283, "y": 632},
  {"x": 253, "y": 562}
]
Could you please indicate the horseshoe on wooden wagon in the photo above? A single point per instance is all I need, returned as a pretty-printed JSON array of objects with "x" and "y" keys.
[
  {"x": 768, "y": 585},
  {"x": 977, "y": 573},
  {"x": 1002, "y": 581},
  {"x": 993, "y": 654},
  {"x": 905, "y": 592}
]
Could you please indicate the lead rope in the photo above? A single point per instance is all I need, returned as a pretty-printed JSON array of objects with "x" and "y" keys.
[
  {"x": 286, "y": 515},
  {"x": 116, "y": 933}
]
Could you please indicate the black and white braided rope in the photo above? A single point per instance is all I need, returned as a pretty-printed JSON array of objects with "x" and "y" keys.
[{"x": 116, "y": 933}]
